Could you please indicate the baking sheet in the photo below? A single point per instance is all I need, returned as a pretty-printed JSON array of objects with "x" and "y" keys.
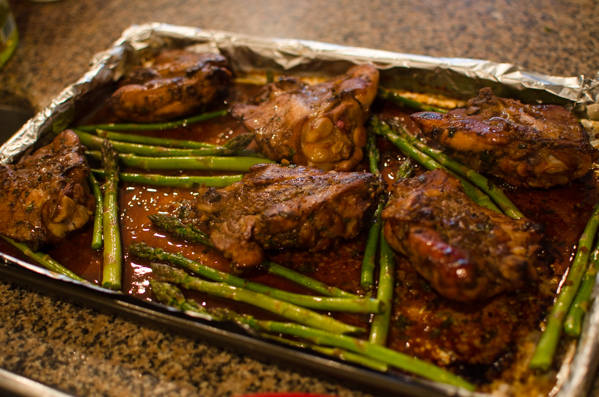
[{"x": 460, "y": 77}]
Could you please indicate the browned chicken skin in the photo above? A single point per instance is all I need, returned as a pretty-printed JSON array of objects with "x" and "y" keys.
[
  {"x": 526, "y": 145},
  {"x": 286, "y": 207},
  {"x": 177, "y": 84},
  {"x": 320, "y": 125},
  {"x": 465, "y": 251},
  {"x": 46, "y": 194}
]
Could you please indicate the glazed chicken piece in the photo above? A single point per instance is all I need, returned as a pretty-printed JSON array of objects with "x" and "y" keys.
[
  {"x": 465, "y": 251},
  {"x": 535, "y": 146},
  {"x": 177, "y": 84},
  {"x": 276, "y": 206},
  {"x": 318, "y": 125},
  {"x": 46, "y": 195}
]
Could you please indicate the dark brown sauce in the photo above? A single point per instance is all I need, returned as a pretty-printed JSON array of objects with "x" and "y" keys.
[{"x": 481, "y": 341}]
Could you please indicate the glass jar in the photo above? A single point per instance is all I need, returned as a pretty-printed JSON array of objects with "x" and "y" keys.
[{"x": 9, "y": 36}]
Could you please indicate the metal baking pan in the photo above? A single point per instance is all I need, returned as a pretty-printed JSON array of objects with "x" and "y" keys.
[{"x": 460, "y": 77}]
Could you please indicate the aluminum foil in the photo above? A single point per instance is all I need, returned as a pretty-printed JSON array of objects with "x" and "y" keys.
[{"x": 458, "y": 77}]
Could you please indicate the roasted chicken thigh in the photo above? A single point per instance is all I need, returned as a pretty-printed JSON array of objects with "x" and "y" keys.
[
  {"x": 319, "y": 125},
  {"x": 465, "y": 251},
  {"x": 276, "y": 206},
  {"x": 177, "y": 84},
  {"x": 536, "y": 146},
  {"x": 46, "y": 195}
]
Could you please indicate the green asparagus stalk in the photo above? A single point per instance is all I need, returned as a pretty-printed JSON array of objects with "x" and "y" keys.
[
  {"x": 236, "y": 144},
  {"x": 239, "y": 294},
  {"x": 178, "y": 229},
  {"x": 356, "y": 305},
  {"x": 112, "y": 271},
  {"x": 98, "y": 229},
  {"x": 379, "y": 329},
  {"x": 170, "y": 295},
  {"x": 322, "y": 338},
  {"x": 155, "y": 141},
  {"x": 203, "y": 163},
  {"x": 477, "y": 195},
  {"x": 545, "y": 350},
  {"x": 580, "y": 305},
  {"x": 175, "y": 181},
  {"x": 373, "y": 154},
  {"x": 405, "y": 170},
  {"x": 381, "y": 353},
  {"x": 308, "y": 282},
  {"x": 43, "y": 259},
  {"x": 340, "y": 354},
  {"x": 369, "y": 259},
  {"x": 491, "y": 189},
  {"x": 429, "y": 163},
  {"x": 154, "y": 126},
  {"x": 403, "y": 101},
  {"x": 173, "y": 143}
]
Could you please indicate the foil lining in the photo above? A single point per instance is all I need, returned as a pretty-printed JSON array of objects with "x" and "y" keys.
[{"x": 458, "y": 77}]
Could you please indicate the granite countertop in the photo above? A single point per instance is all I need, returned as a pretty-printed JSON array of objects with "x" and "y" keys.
[{"x": 84, "y": 352}]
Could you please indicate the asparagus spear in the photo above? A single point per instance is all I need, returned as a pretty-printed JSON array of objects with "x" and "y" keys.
[
  {"x": 175, "y": 181},
  {"x": 403, "y": 101},
  {"x": 98, "y": 232},
  {"x": 379, "y": 329},
  {"x": 154, "y": 126},
  {"x": 284, "y": 309},
  {"x": 340, "y": 354},
  {"x": 111, "y": 275},
  {"x": 580, "y": 305},
  {"x": 323, "y": 338},
  {"x": 405, "y": 170},
  {"x": 380, "y": 324},
  {"x": 204, "y": 163},
  {"x": 44, "y": 260},
  {"x": 172, "y": 296},
  {"x": 356, "y": 305},
  {"x": 369, "y": 260},
  {"x": 171, "y": 143},
  {"x": 236, "y": 144},
  {"x": 156, "y": 141},
  {"x": 178, "y": 229},
  {"x": 494, "y": 191},
  {"x": 308, "y": 282},
  {"x": 543, "y": 355},
  {"x": 429, "y": 163},
  {"x": 381, "y": 353},
  {"x": 373, "y": 154}
]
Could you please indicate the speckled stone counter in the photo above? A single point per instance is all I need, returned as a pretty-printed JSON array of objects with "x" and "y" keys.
[{"x": 87, "y": 353}]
